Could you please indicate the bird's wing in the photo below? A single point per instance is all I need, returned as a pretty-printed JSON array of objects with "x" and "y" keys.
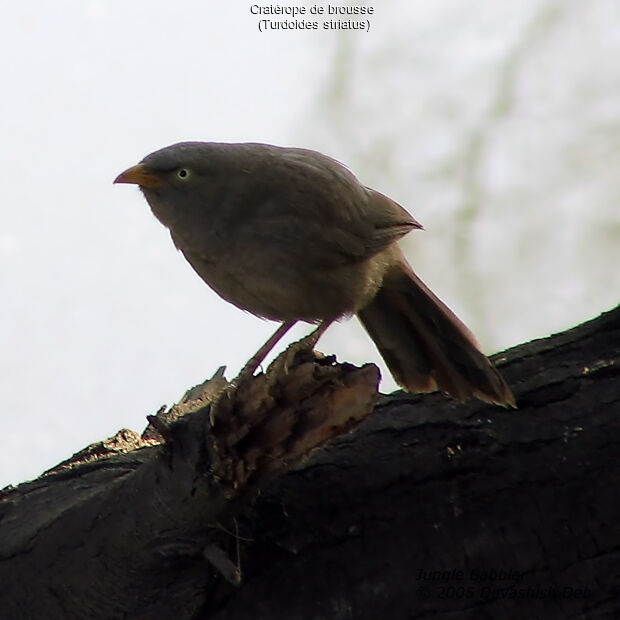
[
  {"x": 390, "y": 221},
  {"x": 316, "y": 209}
]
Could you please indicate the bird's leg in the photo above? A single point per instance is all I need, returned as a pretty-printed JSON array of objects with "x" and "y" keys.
[
  {"x": 285, "y": 359},
  {"x": 254, "y": 362}
]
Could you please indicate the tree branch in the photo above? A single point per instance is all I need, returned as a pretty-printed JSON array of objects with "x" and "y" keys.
[{"x": 427, "y": 509}]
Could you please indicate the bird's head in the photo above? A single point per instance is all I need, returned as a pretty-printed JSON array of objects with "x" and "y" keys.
[
  {"x": 174, "y": 167},
  {"x": 177, "y": 180}
]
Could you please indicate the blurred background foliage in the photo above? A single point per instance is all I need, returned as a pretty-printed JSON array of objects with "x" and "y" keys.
[{"x": 498, "y": 126}]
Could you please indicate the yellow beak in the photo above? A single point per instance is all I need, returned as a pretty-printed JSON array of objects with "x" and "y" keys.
[{"x": 139, "y": 175}]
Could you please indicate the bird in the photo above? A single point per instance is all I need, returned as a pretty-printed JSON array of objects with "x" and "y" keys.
[{"x": 289, "y": 234}]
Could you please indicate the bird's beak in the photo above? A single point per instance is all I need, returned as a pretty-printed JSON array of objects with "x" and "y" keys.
[{"x": 140, "y": 176}]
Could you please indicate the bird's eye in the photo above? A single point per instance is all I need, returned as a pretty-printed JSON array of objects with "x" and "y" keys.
[{"x": 183, "y": 174}]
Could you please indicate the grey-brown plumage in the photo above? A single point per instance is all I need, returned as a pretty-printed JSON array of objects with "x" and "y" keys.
[{"x": 290, "y": 234}]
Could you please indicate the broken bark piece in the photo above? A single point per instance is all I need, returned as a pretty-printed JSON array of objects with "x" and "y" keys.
[{"x": 271, "y": 422}]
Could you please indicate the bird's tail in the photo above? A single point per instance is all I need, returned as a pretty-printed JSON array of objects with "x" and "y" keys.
[{"x": 425, "y": 345}]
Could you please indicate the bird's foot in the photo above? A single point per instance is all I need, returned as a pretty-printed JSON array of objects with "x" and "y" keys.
[{"x": 302, "y": 350}]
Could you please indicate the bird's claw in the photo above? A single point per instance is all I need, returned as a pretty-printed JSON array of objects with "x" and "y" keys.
[{"x": 290, "y": 357}]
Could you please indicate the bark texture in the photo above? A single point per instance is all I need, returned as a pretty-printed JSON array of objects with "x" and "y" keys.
[{"x": 428, "y": 509}]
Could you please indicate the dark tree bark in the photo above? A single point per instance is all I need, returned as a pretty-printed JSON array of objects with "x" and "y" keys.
[{"x": 428, "y": 509}]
